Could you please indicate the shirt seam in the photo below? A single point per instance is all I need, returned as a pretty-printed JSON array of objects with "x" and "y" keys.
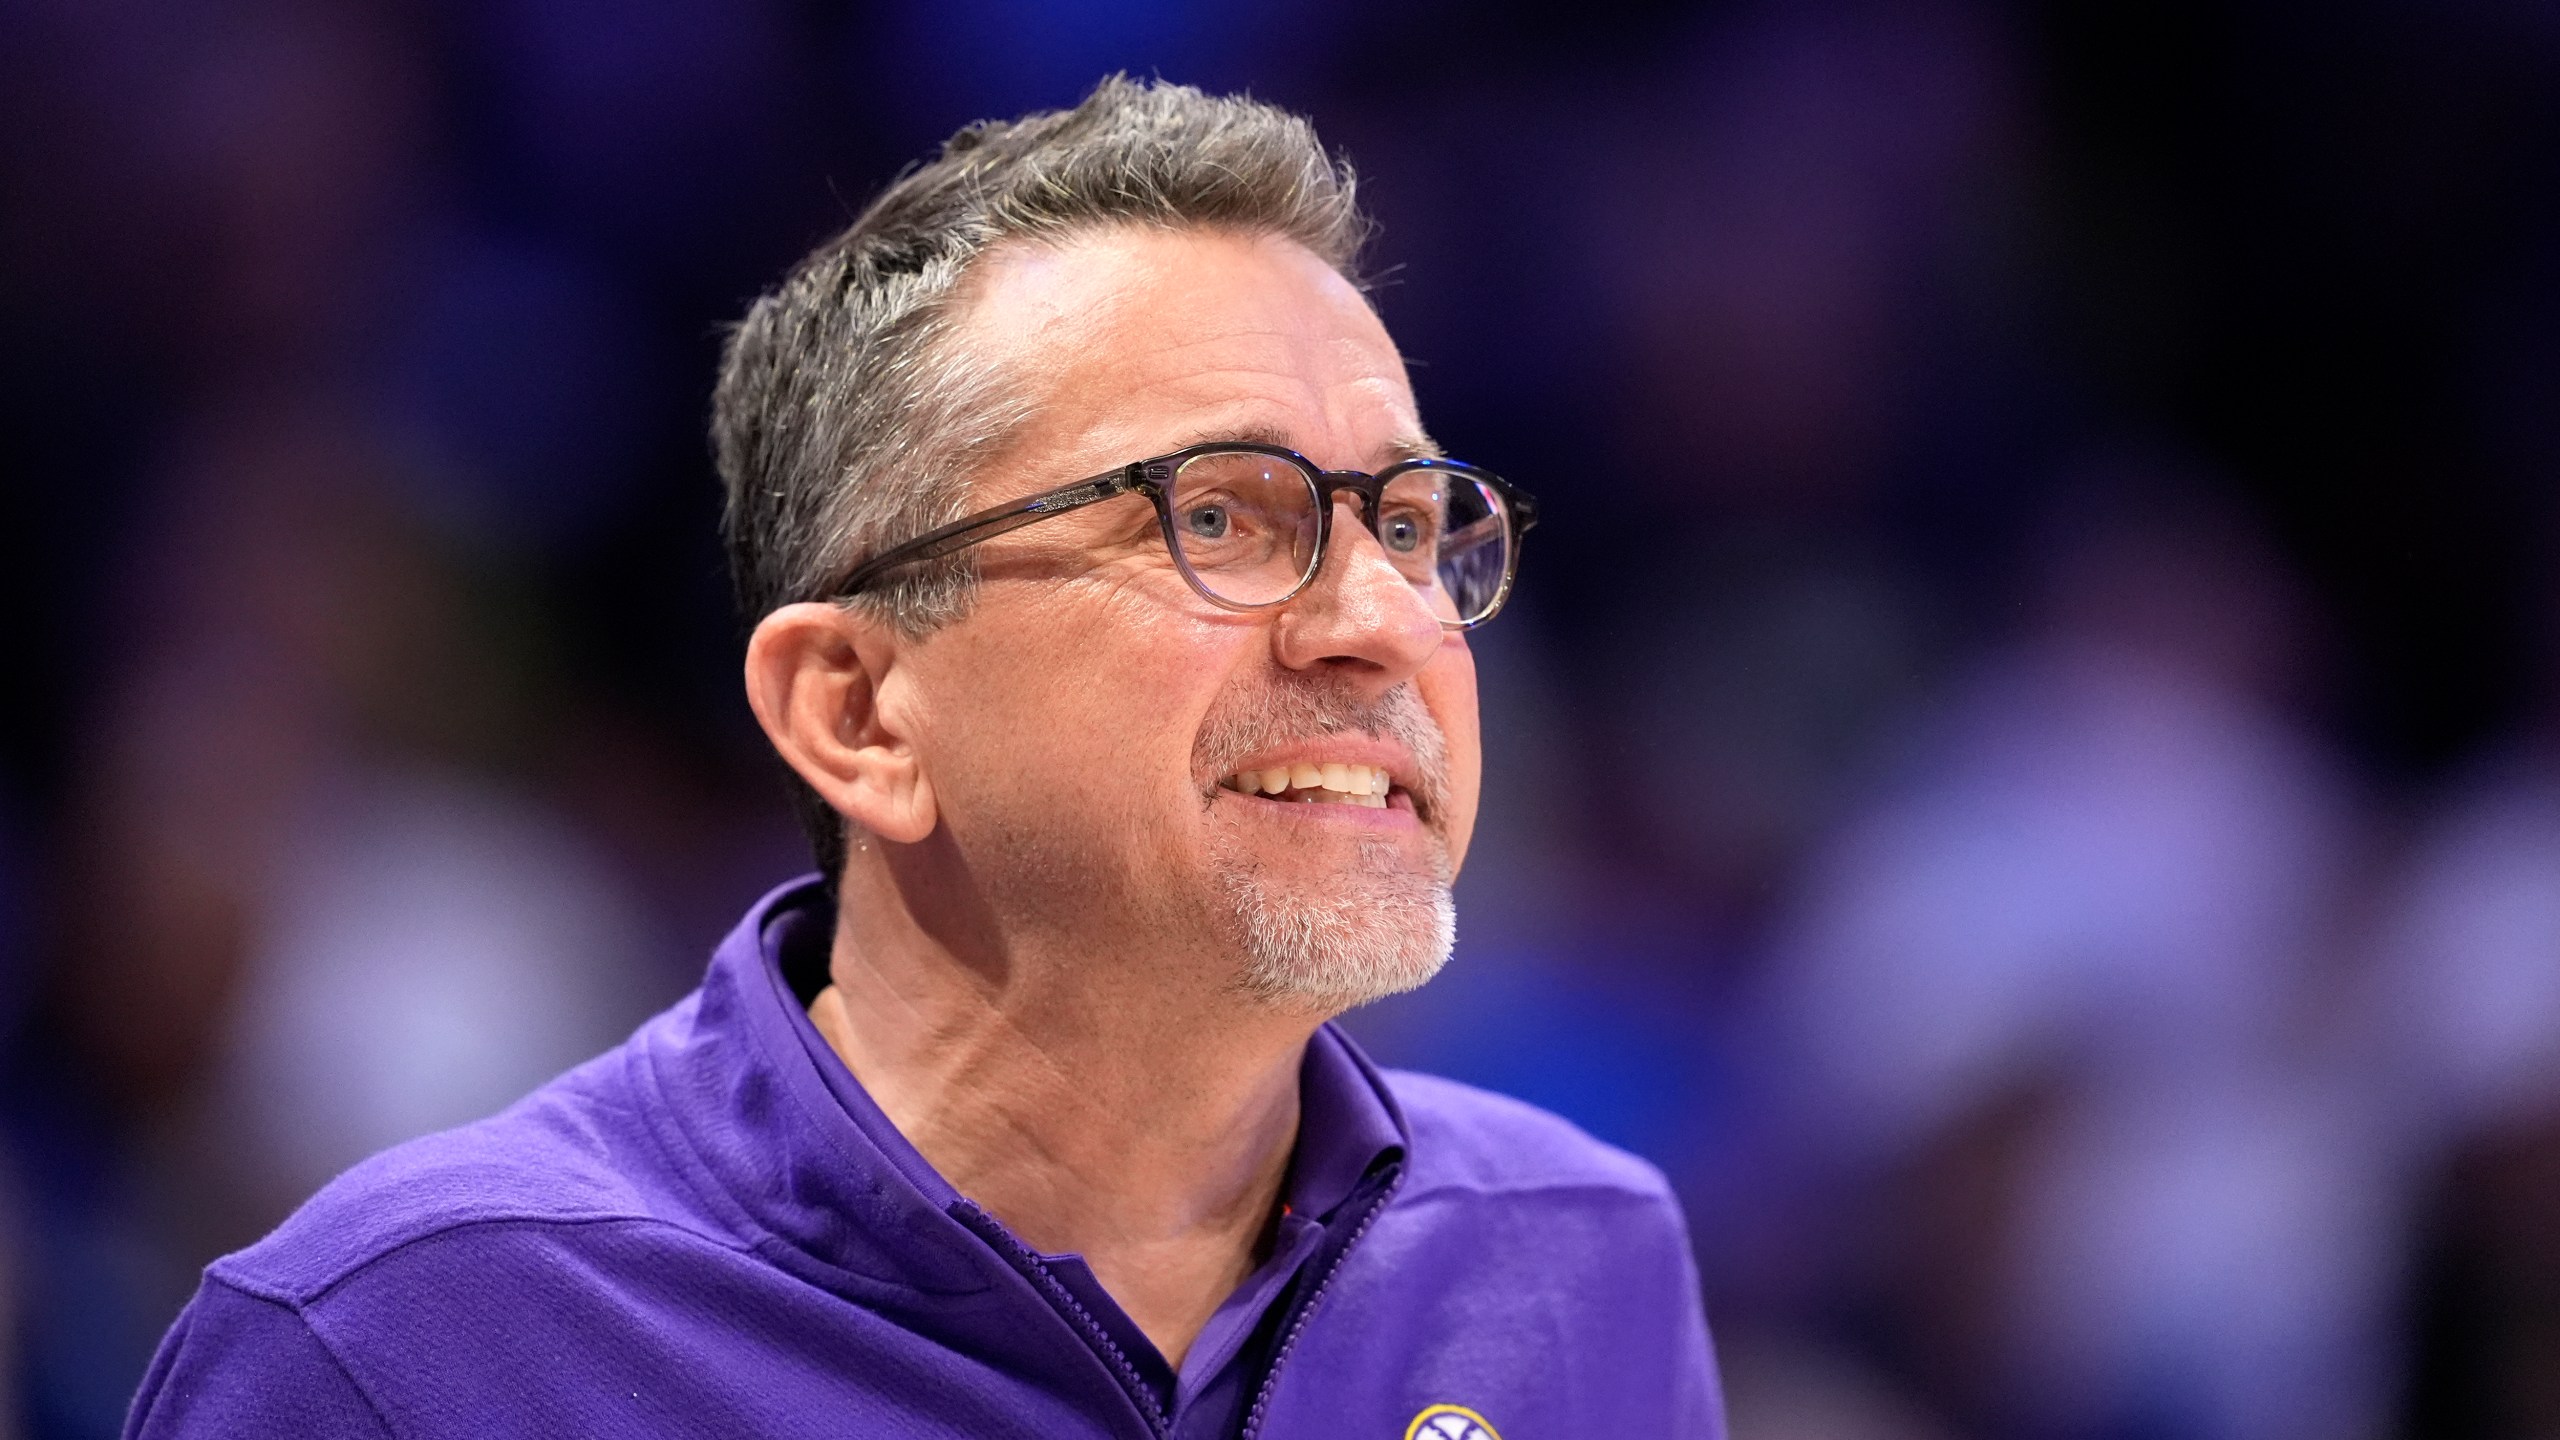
[
  {"x": 328, "y": 1347},
  {"x": 297, "y": 1297}
]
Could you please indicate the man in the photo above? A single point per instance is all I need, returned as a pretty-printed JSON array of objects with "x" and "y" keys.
[{"x": 1111, "y": 616}]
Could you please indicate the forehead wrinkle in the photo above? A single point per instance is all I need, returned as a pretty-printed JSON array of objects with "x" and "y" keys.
[
  {"x": 1268, "y": 404},
  {"x": 1253, "y": 343},
  {"x": 1202, "y": 386},
  {"x": 1266, "y": 348},
  {"x": 1228, "y": 382},
  {"x": 1270, "y": 408},
  {"x": 1099, "y": 346},
  {"x": 1287, "y": 337},
  {"x": 1417, "y": 446}
]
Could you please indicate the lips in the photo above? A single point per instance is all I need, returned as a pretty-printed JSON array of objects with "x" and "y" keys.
[{"x": 1277, "y": 742}]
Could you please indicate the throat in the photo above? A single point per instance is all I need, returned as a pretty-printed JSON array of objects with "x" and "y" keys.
[{"x": 1160, "y": 1165}]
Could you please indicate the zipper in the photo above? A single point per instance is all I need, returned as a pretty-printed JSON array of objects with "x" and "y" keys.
[
  {"x": 1306, "y": 1312},
  {"x": 1064, "y": 1300}
]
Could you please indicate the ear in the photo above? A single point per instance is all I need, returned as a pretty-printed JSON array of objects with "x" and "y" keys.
[{"x": 827, "y": 687}]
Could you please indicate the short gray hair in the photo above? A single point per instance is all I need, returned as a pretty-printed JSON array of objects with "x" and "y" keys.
[{"x": 845, "y": 422}]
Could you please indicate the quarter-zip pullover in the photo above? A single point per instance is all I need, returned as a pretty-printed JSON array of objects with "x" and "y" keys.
[{"x": 713, "y": 1230}]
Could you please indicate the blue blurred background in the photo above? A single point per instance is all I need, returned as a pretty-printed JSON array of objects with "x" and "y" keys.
[{"x": 2025, "y": 771}]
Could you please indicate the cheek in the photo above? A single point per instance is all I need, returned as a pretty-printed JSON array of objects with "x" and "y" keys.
[
  {"x": 1448, "y": 688},
  {"x": 1080, "y": 703}
]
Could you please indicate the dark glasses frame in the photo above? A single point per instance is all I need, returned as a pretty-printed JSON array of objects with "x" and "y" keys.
[{"x": 1153, "y": 478}]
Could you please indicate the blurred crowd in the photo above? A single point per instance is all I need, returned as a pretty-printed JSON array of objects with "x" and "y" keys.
[{"x": 2024, "y": 772}]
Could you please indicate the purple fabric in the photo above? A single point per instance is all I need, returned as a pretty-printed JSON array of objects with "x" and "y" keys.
[{"x": 712, "y": 1230}]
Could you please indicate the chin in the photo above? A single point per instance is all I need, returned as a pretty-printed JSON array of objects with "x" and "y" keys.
[{"x": 1334, "y": 947}]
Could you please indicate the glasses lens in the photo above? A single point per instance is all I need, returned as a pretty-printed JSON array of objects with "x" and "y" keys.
[
  {"x": 1451, "y": 535},
  {"x": 1245, "y": 525}
]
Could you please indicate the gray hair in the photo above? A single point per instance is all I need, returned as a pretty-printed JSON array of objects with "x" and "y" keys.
[{"x": 845, "y": 422}]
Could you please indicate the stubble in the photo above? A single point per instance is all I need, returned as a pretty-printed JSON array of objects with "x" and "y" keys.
[{"x": 1379, "y": 928}]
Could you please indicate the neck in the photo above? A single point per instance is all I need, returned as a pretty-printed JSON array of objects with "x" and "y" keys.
[{"x": 1089, "y": 1101}]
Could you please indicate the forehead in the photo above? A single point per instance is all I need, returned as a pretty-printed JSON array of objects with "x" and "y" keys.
[{"x": 1136, "y": 341}]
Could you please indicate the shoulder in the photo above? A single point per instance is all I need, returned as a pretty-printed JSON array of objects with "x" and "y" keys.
[
  {"x": 579, "y": 1151},
  {"x": 1475, "y": 1141},
  {"x": 240, "y": 1364}
]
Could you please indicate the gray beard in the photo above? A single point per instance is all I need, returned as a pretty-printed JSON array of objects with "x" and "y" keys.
[
  {"x": 1385, "y": 932},
  {"x": 1379, "y": 930}
]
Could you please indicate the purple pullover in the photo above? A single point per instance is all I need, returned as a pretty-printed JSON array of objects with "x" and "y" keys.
[{"x": 712, "y": 1230}]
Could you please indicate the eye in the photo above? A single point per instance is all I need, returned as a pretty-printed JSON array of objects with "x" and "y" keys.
[
  {"x": 1206, "y": 522},
  {"x": 1401, "y": 534}
]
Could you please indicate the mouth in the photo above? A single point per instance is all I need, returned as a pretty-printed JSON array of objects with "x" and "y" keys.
[{"x": 1322, "y": 782}]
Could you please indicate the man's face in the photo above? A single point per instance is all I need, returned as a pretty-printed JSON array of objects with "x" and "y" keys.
[{"x": 1084, "y": 727}]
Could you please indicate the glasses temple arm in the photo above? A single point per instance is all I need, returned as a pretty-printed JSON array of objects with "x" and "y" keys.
[{"x": 985, "y": 525}]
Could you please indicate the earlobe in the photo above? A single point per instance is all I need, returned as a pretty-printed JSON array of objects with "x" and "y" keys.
[{"x": 825, "y": 685}]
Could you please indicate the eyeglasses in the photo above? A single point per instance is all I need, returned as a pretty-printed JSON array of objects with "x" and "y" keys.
[{"x": 1248, "y": 524}]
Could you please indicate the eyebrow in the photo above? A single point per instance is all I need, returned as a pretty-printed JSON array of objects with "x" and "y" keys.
[{"x": 1416, "y": 446}]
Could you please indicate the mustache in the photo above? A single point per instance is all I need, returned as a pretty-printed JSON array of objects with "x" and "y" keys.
[{"x": 1310, "y": 707}]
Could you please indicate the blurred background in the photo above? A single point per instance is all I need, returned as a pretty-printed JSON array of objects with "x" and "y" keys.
[{"x": 2025, "y": 771}]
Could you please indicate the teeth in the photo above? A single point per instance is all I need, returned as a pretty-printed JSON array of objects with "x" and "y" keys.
[{"x": 1319, "y": 782}]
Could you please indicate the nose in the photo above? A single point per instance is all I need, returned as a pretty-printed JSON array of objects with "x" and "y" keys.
[{"x": 1359, "y": 615}]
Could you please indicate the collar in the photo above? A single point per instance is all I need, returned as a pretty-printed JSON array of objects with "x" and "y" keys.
[
  {"x": 1347, "y": 1125},
  {"x": 799, "y": 1159}
]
